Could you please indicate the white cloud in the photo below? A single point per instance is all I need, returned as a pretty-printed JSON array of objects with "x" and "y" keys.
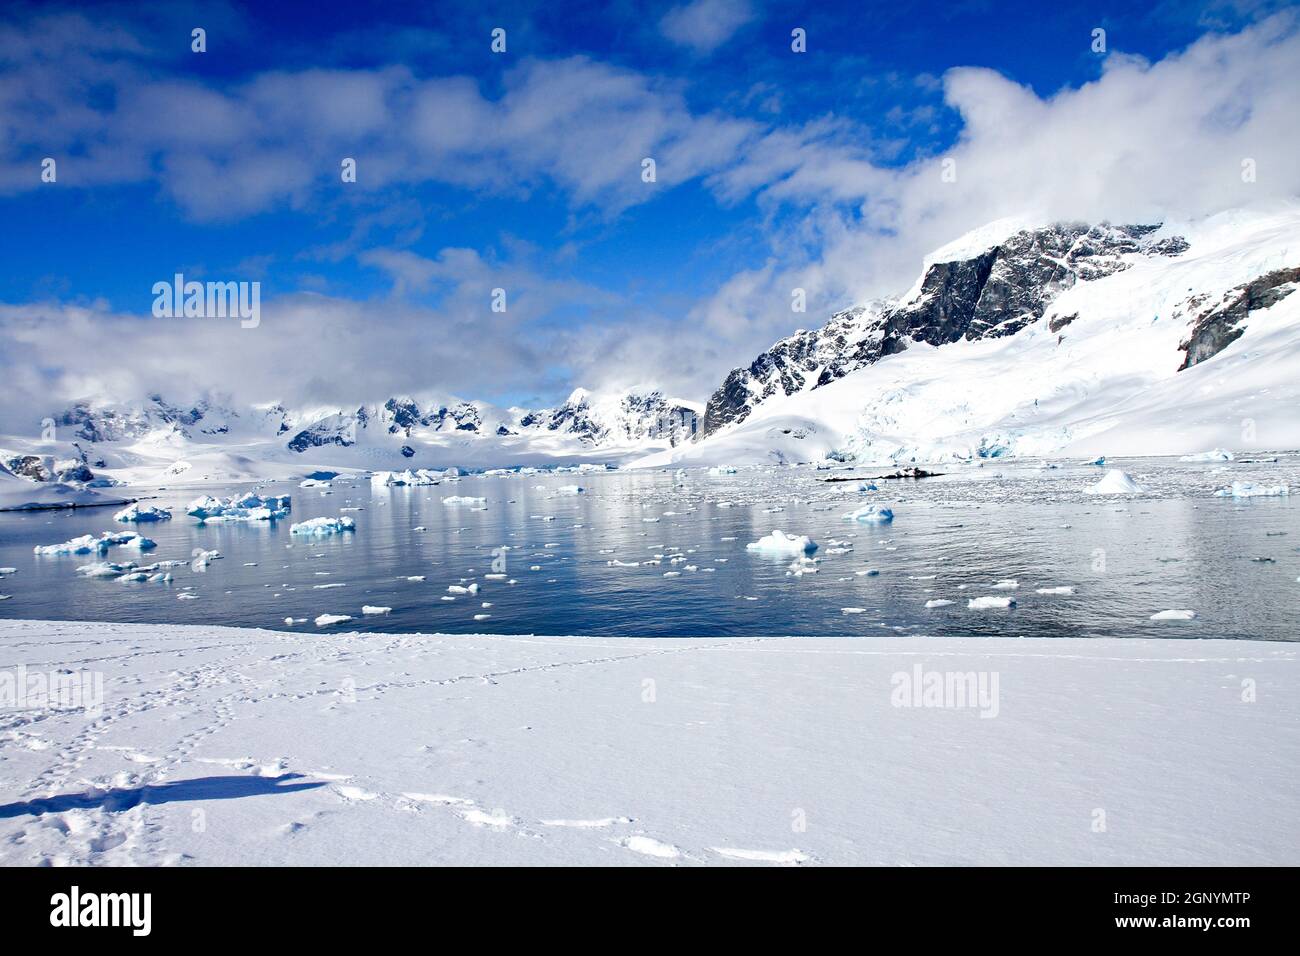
[{"x": 704, "y": 25}]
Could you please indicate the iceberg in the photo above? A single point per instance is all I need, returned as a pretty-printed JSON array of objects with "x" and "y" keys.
[
  {"x": 319, "y": 527},
  {"x": 780, "y": 543},
  {"x": 871, "y": 513},
  {"x": 1248, "y": 489},
  {"x": 138, "y": 512},
  {"x": 89, "y": 544},
  {"x": 1216, "y": 454},
  {"x": 247, "y": 507},
  {"x": 1116, "y": 482}
]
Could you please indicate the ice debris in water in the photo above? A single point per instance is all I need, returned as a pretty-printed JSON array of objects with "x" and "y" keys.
[
  {"x": 138, "y": 512},
  {"x": 780, "y": 543},
  {"x": 1177, "y": 614},
  {"x": 1248, "y": 489},
  {"x": 463, "y": 500},
  {"x": 246, "y": 507},
  {"x": 323, "y": 526},
  {"x": 1116, "y": 482}
]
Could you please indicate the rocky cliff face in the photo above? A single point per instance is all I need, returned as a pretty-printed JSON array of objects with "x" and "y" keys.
[{"x": 997, "y": 292}]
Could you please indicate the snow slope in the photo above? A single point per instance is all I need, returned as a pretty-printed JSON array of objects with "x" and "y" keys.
[
  {"x": 226, "y": 746},
  {"x": 1097, "y": 373}
]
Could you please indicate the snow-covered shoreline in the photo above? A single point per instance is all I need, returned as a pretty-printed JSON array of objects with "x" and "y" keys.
[{"x": 221, "y": 745}]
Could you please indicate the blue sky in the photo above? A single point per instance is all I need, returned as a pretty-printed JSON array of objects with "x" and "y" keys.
[{"x": 521, "y": 170}]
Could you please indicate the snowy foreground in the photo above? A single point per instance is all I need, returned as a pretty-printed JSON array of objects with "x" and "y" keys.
[{"x": 227, "y": 746}]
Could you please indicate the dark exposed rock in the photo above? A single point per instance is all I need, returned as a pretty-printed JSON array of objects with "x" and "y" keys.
[
  {"x": 30, "y": 467},
  {"x": 996, "y": 293},
  {"x": 408, "y": 451},
  {"x": 1217, "y": 327},
  {"x": 1061, "y": 321}
]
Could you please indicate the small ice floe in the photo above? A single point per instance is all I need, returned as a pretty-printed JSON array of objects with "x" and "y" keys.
[
  {"x": 105, "y": 569},
  {"x": 1216, "y": 454},
  {"x": 139, "y": 512},
  {"x": 1007, "y": 584},
  {"x": 853, "y": 610},
  {"x": 415, "y": 577},
  {"x": 187, "y": 596},
  {"x": 313, "y": 483},
  {"x": 867, "y": 486},
  {"x": 481, "y": 617},
  {"x": 463, "y": 500},
  {"x": 1248, "y": 489},
  {"x": 937, "y": 602},
  {"x": 722, "y": 470},
  {"x": 319, "y": 527},
  {"x": 781, "y": 544},
  {"x": 623, "y": 564},
  {"x": 870, "y": 513},
  {"x": 5, "y": 597},
  {"x": 89, "y": 544},
  {"x": 1174, "y": 615},
  {"x": 247, "y": 507},
  {"x": 800, "y": 566},
  {"x": 990, "y": 603},
  {"x": 326, "y": 587},
  {"x": 672, "y": 574},
  {"x": 868, "y": 573},
  {"x": 325, "y": 620},
  {"x": 419, "y": 477},
  {"x": 7, "y": 571},
  {"x": 373, "y": 609},
  {"x": 570, "y": 490},
  {"x": 1116, "y": 482},
  {"x": 1063, "y": 589},
  {"x": 1099, "y": 462},
  {"x": 295, "y": 620},
  {"x": 462, "y": 589}
]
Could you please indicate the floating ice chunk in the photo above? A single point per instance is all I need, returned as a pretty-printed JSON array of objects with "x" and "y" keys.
[
  {"x": 372, "y": 609},
  {"x": 419, "y": 477},
  {"x": 247, "y": 507},
  {"x": 463, "y": 500},
  {"x": 1174, "y": 615},
  {"x": 868, "y": 486},
  {"x": 1099, "y": 462},
  {"x": 802, "y": 565},
  {"x": 1007, "y": 584},
  {"x": 1063, "y": 589},
  {"x": 780, "y": 543},
  {"x": 1116, "y": 482},
  {"x": 870, "y": 513},
  {"x": 990, "y": 603},
  {"x": 325, "y": 620},
  {"x": 458, "y": 589},
  {"x": 937, "y": 602},
  {"x": 481, "y": 617},
  {"x": 89, "y": 544},
  {"x": 868, "y": 573},
  {"x": 571, "y": 490},
  {"x": 722, "y": 470},
  {"x": 203, "y": 558},
  {"x": 138, "y": 512},
  {"x": 853, "y": 610},
  {"x": 1248, "y": 489},
  {"x": 321, "y": 526},
  {"x": 1216, "y": 454}
]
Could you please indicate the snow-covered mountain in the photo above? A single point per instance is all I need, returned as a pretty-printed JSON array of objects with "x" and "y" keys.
[
  {"x": 1132, "y": 339},
  {"x": 213, "y": 438}
]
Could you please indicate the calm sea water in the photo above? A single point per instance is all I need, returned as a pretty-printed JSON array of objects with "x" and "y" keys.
[{"x": 1234, "y": 562}]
